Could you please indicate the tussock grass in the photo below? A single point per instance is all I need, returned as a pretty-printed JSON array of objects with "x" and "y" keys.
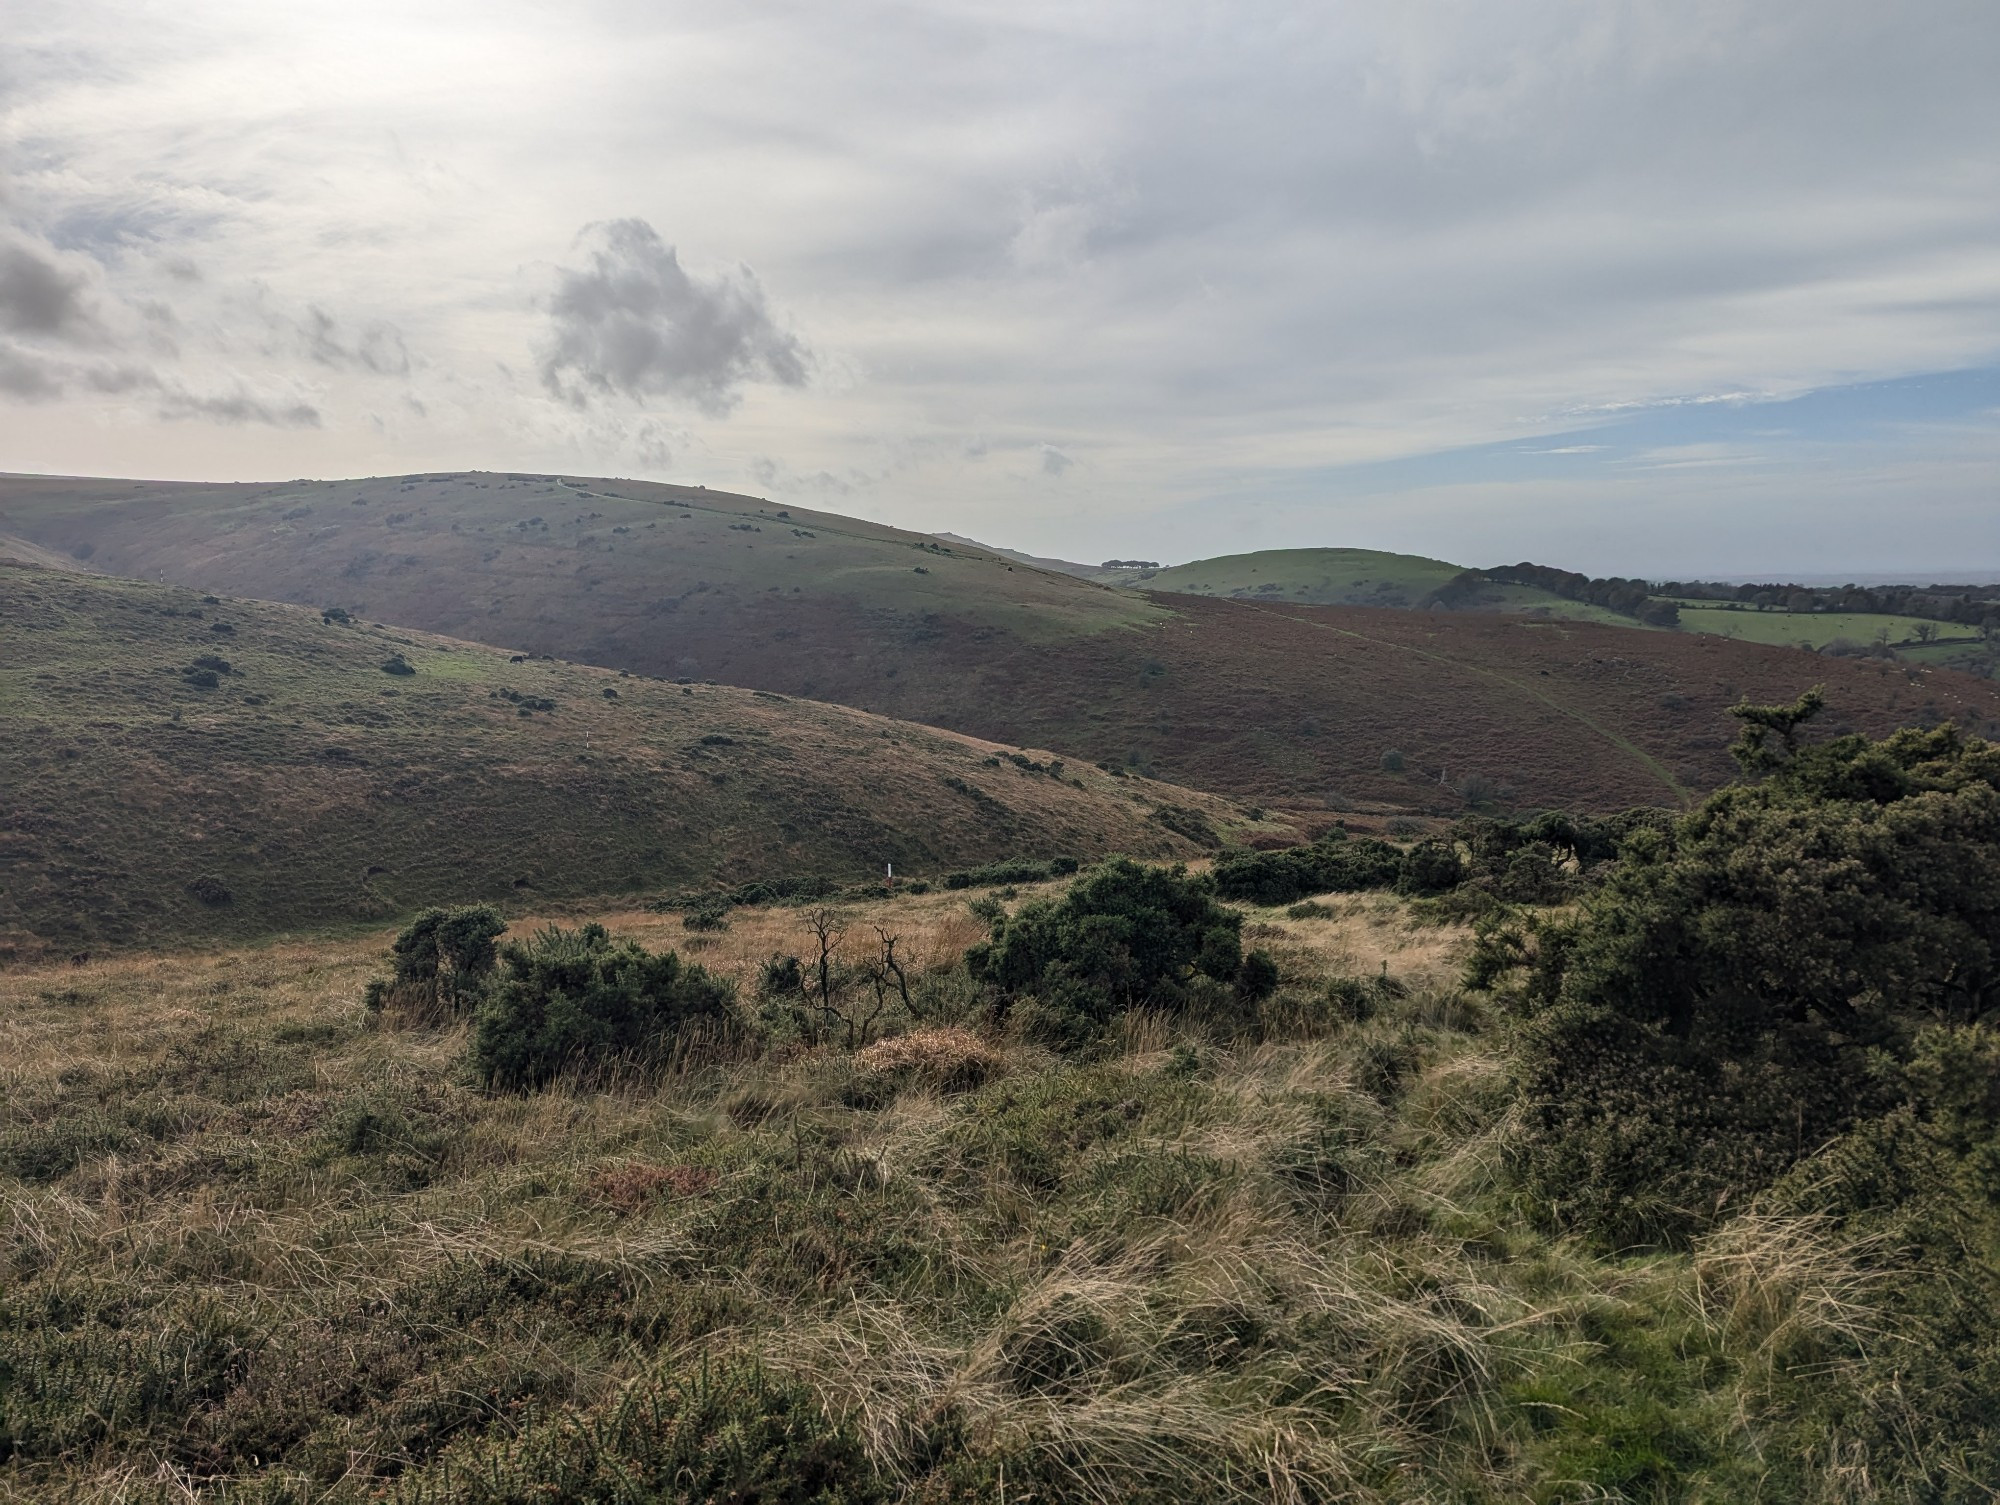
[{"x": 253, "y": 1249}]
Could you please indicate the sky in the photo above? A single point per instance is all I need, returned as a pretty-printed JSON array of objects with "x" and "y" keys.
[{"x": 1659, "y": 287}]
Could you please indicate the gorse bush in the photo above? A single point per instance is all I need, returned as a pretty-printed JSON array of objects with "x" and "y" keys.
[
  {"x": 442, "y": 960},
  {"x": 570, "y": 1000},
  {"x": 1012, "y": 870},
  {"x": 1430, "y": 867},
  {"x": 1331, "y": 865},
  {"x": 1124, "y": 936},
  {"x": 1752, "y": 985}
]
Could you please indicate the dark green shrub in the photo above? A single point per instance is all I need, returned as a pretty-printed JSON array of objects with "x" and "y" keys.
[
  {"x": 1257, "y": 978},
  {"x": 710, "y": 914},
  {"x": 1123, "y": 936},
  {"x": 210, "y": 890},
  {"x": 442, "y": 958},
  {"x": 1430, "y": 868},
  {"x": 395, "y": 663},
  {"x": 1392, "y": 761},
  {"x": 1740, "y": 992},
  {"x": 1333, "y": 864},
  {"x": 1012, "y": 870},
  {"x": 201, "y": 679},
  {"x": 576, "y": 999}
]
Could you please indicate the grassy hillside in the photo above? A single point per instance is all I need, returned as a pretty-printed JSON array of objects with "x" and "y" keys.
[
  {"x": 258, "y": 1250},
  {"x": 1812, "y": 629},
  {"x": 176, "y": 767},
  {"x": 1347, "y": 577},
  {"x": 1277, "y": 702},
  {"x": 1040, "y": 561},
  {"x": 1312, "y": 577}
]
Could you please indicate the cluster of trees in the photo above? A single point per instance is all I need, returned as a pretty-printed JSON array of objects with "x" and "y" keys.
[
  {"x": 1541, "y": 859},
  {"x": 1975, "y": 606},
  {"x": 1630, "y": 598}
]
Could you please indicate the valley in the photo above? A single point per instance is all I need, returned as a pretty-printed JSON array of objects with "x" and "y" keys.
[{"x": 1289, "y": 705}]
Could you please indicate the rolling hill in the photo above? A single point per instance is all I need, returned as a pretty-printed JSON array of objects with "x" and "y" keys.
[
  {"x": 1284, "y": 703},
  {"x": 177, "y": 768}
]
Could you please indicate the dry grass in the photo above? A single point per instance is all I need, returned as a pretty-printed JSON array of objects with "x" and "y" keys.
[{"x": 1199, "y": 1268}]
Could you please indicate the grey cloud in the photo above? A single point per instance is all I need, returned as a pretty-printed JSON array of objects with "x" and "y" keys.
[
  {"x": 378, "y": 347},
  {"x": 28, "y": 377},
  {"x": 239, "y": 408},
  {"x": 39, "y": 298},
  {"x": 635, "y": 323},
  {"x": 1054, "y": 461}
]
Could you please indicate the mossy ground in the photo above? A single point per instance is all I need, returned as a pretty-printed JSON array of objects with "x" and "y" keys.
[{"x": 254, "y": 1248}]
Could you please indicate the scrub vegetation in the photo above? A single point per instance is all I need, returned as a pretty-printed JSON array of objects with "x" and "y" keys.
[
  {"x": 166, "y": 783},
  {"x": 1666, "y": 1178}
]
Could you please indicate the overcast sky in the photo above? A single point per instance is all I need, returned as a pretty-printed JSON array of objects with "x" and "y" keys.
[{"x": 1662, "y": 288}]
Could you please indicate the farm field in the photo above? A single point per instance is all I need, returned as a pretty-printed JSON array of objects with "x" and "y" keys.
[
  {"x": 259, "y": 1247},
  {"x": 1291, "y": 706},
  {"x": 179, "y": 768},
  {"x": 1807, "y": 629}
]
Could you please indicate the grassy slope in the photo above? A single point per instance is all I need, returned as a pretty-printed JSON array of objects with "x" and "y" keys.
[
  {"x": 249, "y": 1236},
  {"x": 1346, "y": 577},
  {"x": 1810, "y": 629},
  {"x": 1314, "y": 577},
  {"x": 316, "y": 788},
  {"x": 1282, "y": 703}
]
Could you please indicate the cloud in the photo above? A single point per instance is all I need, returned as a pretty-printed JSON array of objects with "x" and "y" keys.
[
  {"x": 29, "y": 377},
  {"x": 40, "y": 299},
  {"x": 1054, "y": 461},
  {"x": 239, "y": 408},
  {"x": 378, "y": 347},
  {"x": 1239, "y": 266},
  {"x": 635, "y": 323}
]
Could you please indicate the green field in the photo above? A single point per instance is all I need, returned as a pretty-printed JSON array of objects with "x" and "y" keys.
[{"x": 1805, "y": 629}]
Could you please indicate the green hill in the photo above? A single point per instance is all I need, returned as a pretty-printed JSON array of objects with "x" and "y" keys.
[
  {"x": 1311, "y": 577},
  {"x": 1259, "y": 696},
  {"x": 1349, "y": 577},
  {"x": 177, "y": 767}
]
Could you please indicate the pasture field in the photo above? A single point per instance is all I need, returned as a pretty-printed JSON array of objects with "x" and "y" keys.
[
  {"x": 1807, "y": 629},
  {"x": 256, "y": 1247},
  {"x": 179, "y": 768}
]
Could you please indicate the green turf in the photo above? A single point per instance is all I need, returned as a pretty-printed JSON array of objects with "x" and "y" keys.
[{"x": 1806, "y": 629}]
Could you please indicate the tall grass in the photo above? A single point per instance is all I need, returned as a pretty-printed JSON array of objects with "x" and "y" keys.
[{"x": 251, "y": 1248}]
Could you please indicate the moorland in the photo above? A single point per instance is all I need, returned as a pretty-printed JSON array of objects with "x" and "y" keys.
[
  {"x": 461, "y": 1040},
  {"x": 1275, "y": 701}
]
